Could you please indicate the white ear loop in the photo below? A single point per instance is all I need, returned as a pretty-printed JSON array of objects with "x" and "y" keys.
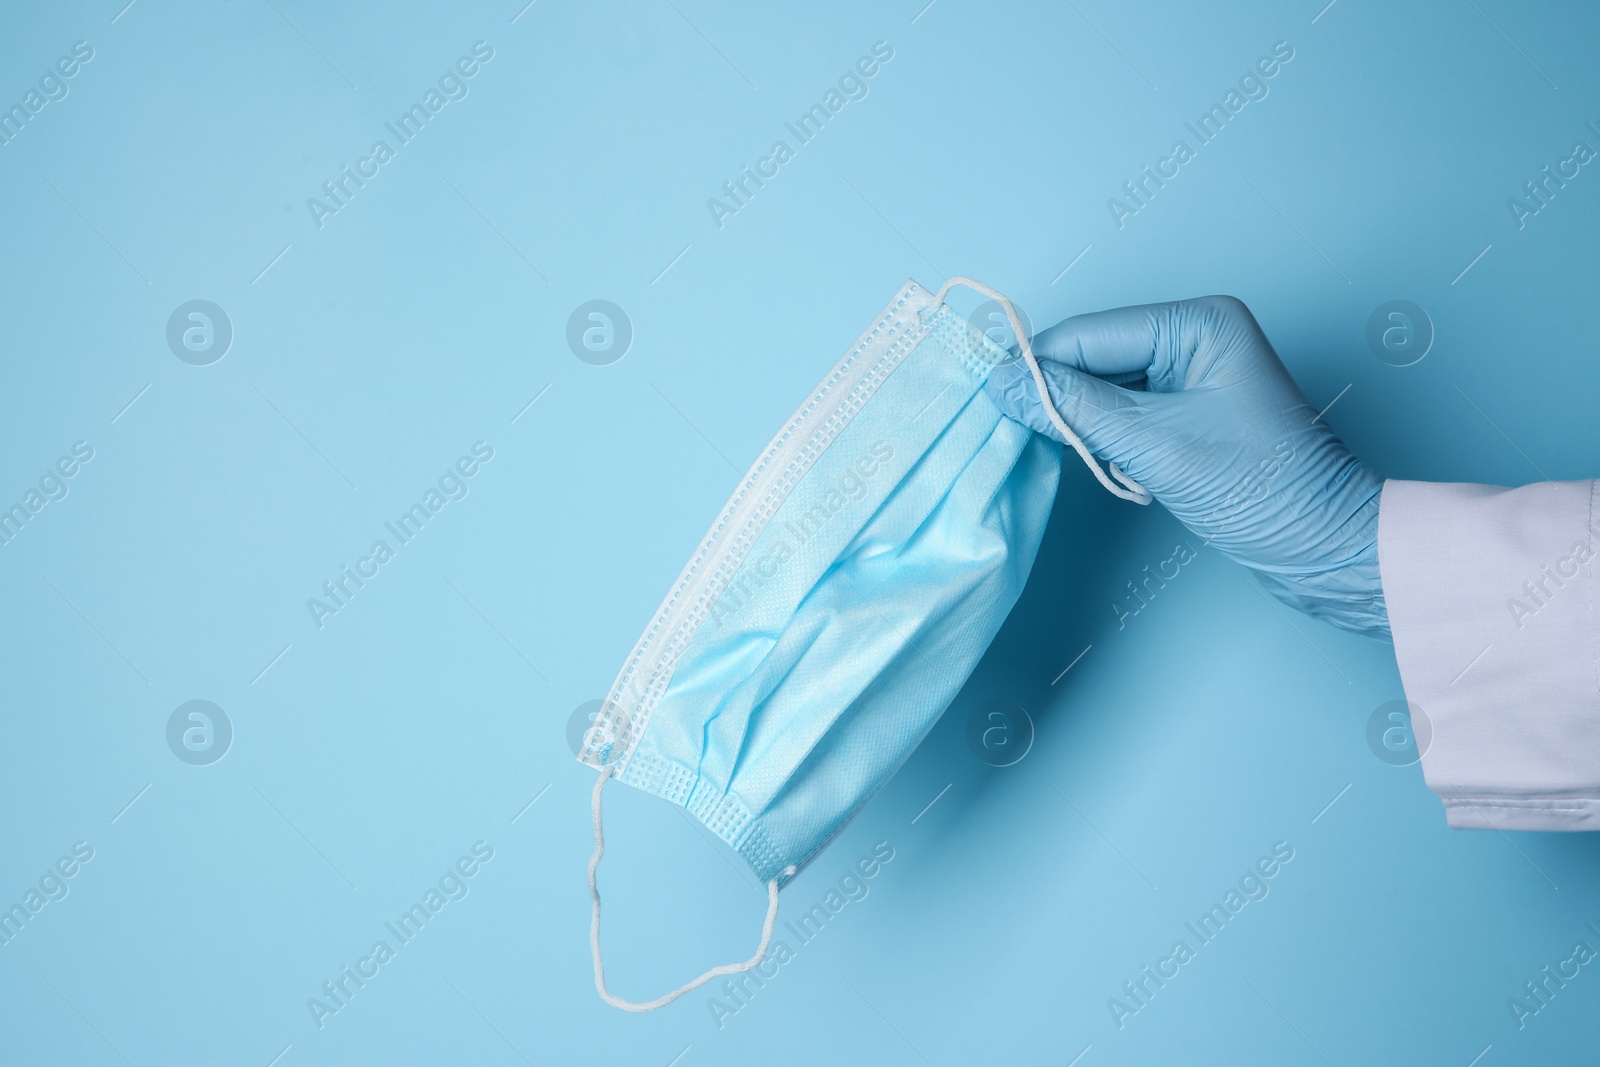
[
  {"x": 594, "y": 926},
  {"x": 1129, "y": 489}
]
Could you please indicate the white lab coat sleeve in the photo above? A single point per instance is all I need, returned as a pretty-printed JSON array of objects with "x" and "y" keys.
[{"x": 1493, "y": 600}]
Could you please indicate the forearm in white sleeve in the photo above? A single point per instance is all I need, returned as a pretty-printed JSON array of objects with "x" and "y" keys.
[{"x": 1493, "y": 600}]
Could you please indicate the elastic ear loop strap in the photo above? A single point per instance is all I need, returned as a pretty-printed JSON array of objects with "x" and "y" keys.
[
  {"x": 594, "y": 926},
  {"x": 1129, "y": 489}
]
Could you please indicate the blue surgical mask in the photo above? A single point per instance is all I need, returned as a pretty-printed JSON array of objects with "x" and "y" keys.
[{"x": 839, "y": 601}]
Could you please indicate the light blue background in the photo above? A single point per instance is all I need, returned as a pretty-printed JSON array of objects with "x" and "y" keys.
[{"x": 427, "y": 714}]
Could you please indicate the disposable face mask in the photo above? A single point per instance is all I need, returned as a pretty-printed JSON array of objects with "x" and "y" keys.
[{"x": 838, "y": 602}]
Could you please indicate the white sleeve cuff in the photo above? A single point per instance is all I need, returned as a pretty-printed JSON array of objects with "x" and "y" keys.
[{"x": 1492, "y": 596}]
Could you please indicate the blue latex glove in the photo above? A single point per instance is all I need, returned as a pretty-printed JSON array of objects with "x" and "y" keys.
[{"x": 1222, "y": 436}]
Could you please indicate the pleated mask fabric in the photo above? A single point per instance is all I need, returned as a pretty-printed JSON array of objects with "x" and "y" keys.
[{"x": 838, "y": 602}]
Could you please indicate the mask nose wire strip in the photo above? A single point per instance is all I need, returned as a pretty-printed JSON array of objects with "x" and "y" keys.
[
  {"x": 594, "y": 927},
  {"x": 1129, "y": 489}
]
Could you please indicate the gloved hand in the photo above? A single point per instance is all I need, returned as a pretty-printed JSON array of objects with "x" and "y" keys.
[{"x": 1222, "y": 436}]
